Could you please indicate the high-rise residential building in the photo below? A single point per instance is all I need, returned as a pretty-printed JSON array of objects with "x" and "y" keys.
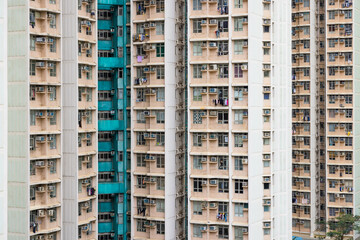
[
  {"x": 112, "y": 96},
  {"x": 52, "y": 130},
  {"x": 324, "y": 113},
  {"x": 239, "y": 138},
  {"x": 308, "y": 116},
  {"x": 158, "y": 119},
  {"x": 3, "y": 121}
]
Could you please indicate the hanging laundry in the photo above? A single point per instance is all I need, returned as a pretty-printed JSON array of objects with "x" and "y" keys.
[{"x": 139, "y": 58}]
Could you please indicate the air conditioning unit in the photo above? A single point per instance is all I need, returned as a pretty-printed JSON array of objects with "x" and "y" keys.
[
  {"x": 212, "y": 205},
  {"x": 51, "y": 163},
  {"x": 213, "y": 159},
  {"x": 39, "y": 163},
  {"x": 203, "y": 229},
  {"x": 213, "y": 67},
  {"x": 213, "y": 90},
  {"x": 266, "y": 134},
  {"x": 266, "y": 179},
  {"x": 267, "y": 224},
  {"x": 40, "y": 64},
  {"x": 40, "y": 189},
  {"x": 40, "y": 89},
  {"x": 40, "y": 138},
  {"x": 85, "y": 181},
  {"x": 245, "y": 161},
  {"x": 244, "y": 67},
  {"x": 41, "y": 213},
  {"x": 50, "y": 237},
  {"x": 244, "y": 230},
  {"x": 39, "y": 114},
  {"x": 204, "y": 182},
  {"x": 213, "y": 228},
  {"x": 51, "y": 188},
  {"x": 212, "y": 44},
  {"x": 49, "y": 138},
  {"x": 213, "y": 21},
  {"x": 51, "y": 213},
  {"x": 203, "y": 21},
  {"x": 213, "y": 182},
  {"x": 84, "y": 228}
]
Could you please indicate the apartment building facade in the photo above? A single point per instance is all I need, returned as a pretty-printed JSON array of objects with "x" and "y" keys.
[
  {"x": 112, "y": 96},
  {"x": 239, "y": 102},
  {"x": 308, "y": 115},
  {"x": 158, "y": 119},
  {"x": 324, "y": 113},
  {"x": 52, "y": 131},
  {"x": 238, "y": 133},
  {"x": 3, "y": 122}
]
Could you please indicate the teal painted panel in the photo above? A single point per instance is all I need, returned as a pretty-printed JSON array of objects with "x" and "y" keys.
[
  {"x": 120, "y": 20},
  {"x": 120, "y": 103},
  {"x": 105, "y": 45},
  {"x": 105, "y": 166},
  {"x": 105, "y": 207},
  {"x": 105, "y": 227},
  {"x": 105, "y": 105},
  {"x": 104, "y": 24},
  {"x": 120, "y": 208},
  {"x": 104, "y": 85},
  {"x": 120, "y": 82},
  {"x": 111, "y": 2},
  {"x": 105, "y": 146},
  {"x": 115, "y": 63},
  {"x": 108, "y": 125},
  {"x": 120, "y": 145},
  {"x": 120, "y": 42},
  {"x": 120, "y": 166},
  {"x": 108, "y": 188},
  {"x": 121, "y": 229}
]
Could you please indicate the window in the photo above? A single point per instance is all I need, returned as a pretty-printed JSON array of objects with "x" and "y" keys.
[
  {"x": 238, "y": 3},
  {"x": 160, "y": 183},
  {"x": 239, "y": 93},
  {"x": 197, "y": 71},
  {"x": 52, "y": 44},
  {"x": 197, "y": 231},
  {"x": 140, "y": 160},
  {"x": 239, "y": 185},
  {"x": 197, "y": 28},
  {"x": 197, "y": 185},
  {"x": 160, "y": 95},
  {"x": 140, "y": 116},
  {"x": 32, "y": 70},
  {"x": 197, "y": 162},
  {"x": 223, "y": 232},
  {"x": 197, "y": 139},
  {"x": 52, "y": 66},
  {"x": 197, "y": 208},
  {"x": 160, "y": 161},
  {"x": 160, "y": 139},
  {"x": 32, "y": 193},
  {"x": 32, "y": 42},
  {"x": 140, "y": 138},
  {"x": 238, "y": 116},
  {"x": 52, "y": 189},
  {"x": 223, "y": 70},
  {"x": 197, "y": 50},
  {"x": 197, "y": 5},
  {"x": 140, "y": 225},
  {"x": 238, "y": 24},
  {"x": 160, "y": 50},
  {"x": 52, "y": 164},
  {"x": 239, "y": 209},
  {"x": 52, "y": 140},
  {"x": 238, "y": 47},
  {"x": 141, "y": 181},
  {"x": 238, "y": 161},
  {"x": 238, "y": 139},
  {"x": 160, "y": 117},
  {"x": 105, "y": 176},
  {"x": 197, "y": 116},
  {"x": 223, "y": 162},
  {"x": 160, "y": 72},
  {"x": 160, "y": 6},
  {"x": 32, "y": 168},
  {"x": 160, "y": 227},
  {"x": 160, "y": 205},
  {"x": 223, "y": 117},
  {"x": 160, "y": 28},
  {"x": 223, "y": 140},
  {"x": 52, "y": 18},
  {"x": 223, "y": 186}
]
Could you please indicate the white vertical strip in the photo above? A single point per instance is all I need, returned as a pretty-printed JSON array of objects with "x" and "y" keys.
[
  {"x": 170, "y": 123},
  {"x": 3, "y": 121},
  {"x": 70, "y": 119},
  {"x": 281, "y": 163}
]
